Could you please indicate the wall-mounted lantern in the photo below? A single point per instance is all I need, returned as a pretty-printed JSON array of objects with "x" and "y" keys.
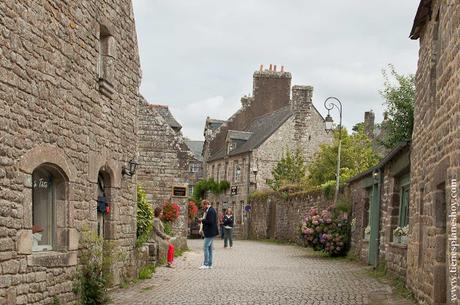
[{"x": 131, "y": 169}]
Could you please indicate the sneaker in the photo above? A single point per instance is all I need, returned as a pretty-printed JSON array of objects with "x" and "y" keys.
[
  {"x": 209, "y": 267},
  {"x": 203, "y": 267},
  {"x": 171, "y": 266}
]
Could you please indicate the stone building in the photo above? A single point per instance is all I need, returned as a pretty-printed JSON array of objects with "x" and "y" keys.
[
  {"x": 244, "y": 149},
  {"x": 380, "y": 204},
  {"x": 69, "y": 87},
  {"x": 432, "y": 254},
  {"x": 166, "y": 158}
]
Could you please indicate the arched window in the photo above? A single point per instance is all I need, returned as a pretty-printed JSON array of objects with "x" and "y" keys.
[
  {"x": 48, "y": 196},
  {"x": 103, "y": 204}
]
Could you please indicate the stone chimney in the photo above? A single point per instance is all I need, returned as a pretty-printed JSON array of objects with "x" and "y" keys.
[
  {"x": 271, "y": 90},
  {"x": 245, "y": 101},
  {"x": 369, "y": 123},
  {"x": 301, "y": 106}
]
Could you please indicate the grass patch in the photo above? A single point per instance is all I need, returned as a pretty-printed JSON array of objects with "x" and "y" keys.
[
  {"x": 146, "y": 272},
  {"x": 398, "y": 284},
  {"x": 180, "y": 252}
]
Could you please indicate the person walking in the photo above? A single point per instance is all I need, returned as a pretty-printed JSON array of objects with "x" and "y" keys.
[
  {"x": 210, "y": 231},
  {"x": 162, "y": 239},
  {"x": 228, "y": 228}
]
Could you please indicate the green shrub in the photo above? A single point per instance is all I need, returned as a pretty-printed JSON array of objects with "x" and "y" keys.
[
  {"x": 146, "y": 272},
  {"x": 168, "y": 228},
  {"x": 144, "y": 217},
  {"x": 204, "y": 186},
  {"x": 93, "y": 273}
]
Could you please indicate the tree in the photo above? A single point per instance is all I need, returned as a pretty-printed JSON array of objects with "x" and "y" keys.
[
  {"x": 357, "y": 155},
  {"x": 399, "y": 102},
  {"x": 289, "y": 170}
]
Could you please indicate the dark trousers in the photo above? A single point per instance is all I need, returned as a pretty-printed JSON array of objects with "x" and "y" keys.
[
  {"x": 228, "y": 237},
  {"x": 222, "y": 231}
]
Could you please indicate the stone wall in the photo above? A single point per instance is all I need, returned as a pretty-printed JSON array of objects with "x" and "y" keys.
[
  {"x": 71, "y": 110},
  {"x": 435, "y": 161},
  {"x": 164, "y": 158},
  {"x": 389, "y": 176},
  {"x": 277, "y": 218}
]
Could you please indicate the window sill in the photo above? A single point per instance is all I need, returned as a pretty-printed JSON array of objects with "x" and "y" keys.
[
  {"x": 52, "y": 259},
  {"x": 398, "y": 245}
]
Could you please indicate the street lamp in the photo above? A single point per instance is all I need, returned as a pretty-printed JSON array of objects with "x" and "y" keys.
[{"x": 329, "y": 104}]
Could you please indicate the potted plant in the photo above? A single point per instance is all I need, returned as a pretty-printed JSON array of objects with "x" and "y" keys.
[
  {"x": 367, "y": 233},
  {"x": 400, "y": 234}
]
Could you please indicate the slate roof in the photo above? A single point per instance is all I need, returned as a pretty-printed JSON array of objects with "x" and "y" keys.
[
  {"x": 167, "y": 115},
  {"x": 395, "y": 151},
  {"x": 261, "y": 128},
  {"x": 214, "y": 124},
  {"x": 196, "y": 147},
  {"x": 422, "y": 15}
]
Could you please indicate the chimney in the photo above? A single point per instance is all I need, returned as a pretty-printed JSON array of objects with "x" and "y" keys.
[
  {"x": 245, "y": 101},
  {"x": 282, "y": 68},
  {"x": 274, "y": 68},
  {"x": 301, "y": 96},
  {"x": 301, "y": 106},
  {"x": 261, "y": 68},
  {"x": 271, "y": 91},
  {"x": 369, "y": 121}
]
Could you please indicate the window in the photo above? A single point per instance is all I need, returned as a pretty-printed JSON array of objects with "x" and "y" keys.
[
  {"x": 106, "y": 61},
  {"x": 190, "y": 190},
  {"x": 218, "y": 173},
  {"x": 237, "y": 172},
  {"x": 48, "y": 195},
  {"x": 230, "y": 146},
  {"x": 195, "y": 167},
  {"x": 404, "y": 202}
]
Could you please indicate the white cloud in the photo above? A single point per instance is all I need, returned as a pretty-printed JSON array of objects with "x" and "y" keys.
[{"x": 198, "y": 56}]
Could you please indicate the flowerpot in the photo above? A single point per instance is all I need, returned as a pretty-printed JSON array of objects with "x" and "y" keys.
[{"x": 404, "y": 240}]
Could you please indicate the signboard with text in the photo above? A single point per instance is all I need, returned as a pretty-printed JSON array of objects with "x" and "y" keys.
[{"x": 234, "y": 190}]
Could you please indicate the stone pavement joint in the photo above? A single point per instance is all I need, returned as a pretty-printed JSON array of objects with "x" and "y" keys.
[{"x": 255, "y": 273}]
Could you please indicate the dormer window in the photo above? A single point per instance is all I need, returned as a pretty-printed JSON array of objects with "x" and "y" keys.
[{"x": 230, "y": 146}]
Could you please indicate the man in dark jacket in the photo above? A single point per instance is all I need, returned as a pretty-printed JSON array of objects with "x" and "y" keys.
[{"x": 210, "y": 230}]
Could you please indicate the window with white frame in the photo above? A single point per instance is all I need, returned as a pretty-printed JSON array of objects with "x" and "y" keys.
[
  {"x": 237, "y": 172},
  {"x": 195, "y": 167}
]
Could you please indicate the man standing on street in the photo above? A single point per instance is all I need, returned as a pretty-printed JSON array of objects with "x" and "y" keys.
[{"x": 210, "y": 230}]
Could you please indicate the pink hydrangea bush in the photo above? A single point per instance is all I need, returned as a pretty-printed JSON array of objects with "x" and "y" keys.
[{"x": 326, "y": 231}]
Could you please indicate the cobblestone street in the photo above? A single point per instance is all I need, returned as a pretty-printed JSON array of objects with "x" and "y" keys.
[{"x": 254, "y": 273}]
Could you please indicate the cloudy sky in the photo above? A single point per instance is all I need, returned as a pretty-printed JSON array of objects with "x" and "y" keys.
[{"x": 198, "y": 56}]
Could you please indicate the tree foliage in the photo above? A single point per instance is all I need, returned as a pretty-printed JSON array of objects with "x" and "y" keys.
[
  {"x": 399, "y": 101},
  {"x": 289, "y": 170},
  {"x": 144, "y": 217},
  {"x": 209, "y": 185},
  {"x": 357, "y": 155}
]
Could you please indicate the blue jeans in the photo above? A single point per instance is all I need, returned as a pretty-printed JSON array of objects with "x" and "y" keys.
[
  {"x": 208, "y": 251},
  {"x": 228, "y": 237}
]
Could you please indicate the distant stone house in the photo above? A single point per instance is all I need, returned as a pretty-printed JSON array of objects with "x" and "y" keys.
[
  {"x": 433, "y": 254},
  {"x": 380, "y": 204},
  {"x": 166, "y": 159},
  {"x": 244, "y": 149},
  {"x": 69, "y": 86}
]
